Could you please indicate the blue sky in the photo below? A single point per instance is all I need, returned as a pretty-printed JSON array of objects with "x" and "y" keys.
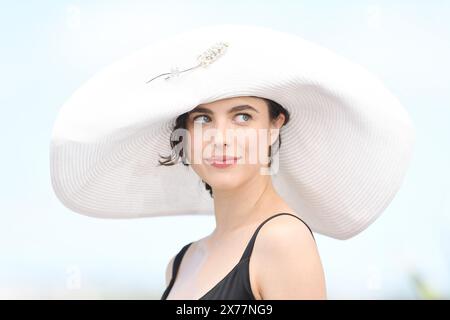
[{"x": 49, "y": 48}]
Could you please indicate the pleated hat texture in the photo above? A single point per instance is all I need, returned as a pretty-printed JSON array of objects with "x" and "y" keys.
[{"x": 345, "y": 150}]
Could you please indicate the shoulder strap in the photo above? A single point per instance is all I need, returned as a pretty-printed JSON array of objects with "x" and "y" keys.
[
  {"x": 177, "y": 260},
  {"x": 249, "y": 248}
]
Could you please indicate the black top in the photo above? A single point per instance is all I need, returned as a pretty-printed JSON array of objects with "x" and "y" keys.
[{"x": 236, "y": 284}]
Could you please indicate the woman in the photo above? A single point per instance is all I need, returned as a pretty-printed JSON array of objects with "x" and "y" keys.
[
  {"x": 124, "y": 146},
  {"x": 284, "y": 262}
]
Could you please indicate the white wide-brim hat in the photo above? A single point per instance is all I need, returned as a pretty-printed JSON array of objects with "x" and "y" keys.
[{"x": 344, "y": 153}]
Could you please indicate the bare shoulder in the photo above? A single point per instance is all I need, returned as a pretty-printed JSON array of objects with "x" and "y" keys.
[
  {"x": 287, "y": 264},
  {"x": 286, "y": 229},
  {"x": 169, "y": 267}
]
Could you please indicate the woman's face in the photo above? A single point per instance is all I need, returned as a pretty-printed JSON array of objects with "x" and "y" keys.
[{"x": 228, "y": 140}]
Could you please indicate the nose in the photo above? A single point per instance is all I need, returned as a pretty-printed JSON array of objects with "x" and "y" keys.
[{"x": 220, "y": 136}]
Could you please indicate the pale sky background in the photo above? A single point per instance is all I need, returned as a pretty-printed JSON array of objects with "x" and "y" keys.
[{"x": 49, "y": 48}]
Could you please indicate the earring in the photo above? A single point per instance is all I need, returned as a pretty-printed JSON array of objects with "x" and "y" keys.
[
  {"x": 270, "y": 155},
  {"x": 183, "y": 158}
]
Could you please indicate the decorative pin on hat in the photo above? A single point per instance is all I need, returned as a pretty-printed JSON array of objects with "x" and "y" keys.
[{"x": 204, "y": 60}]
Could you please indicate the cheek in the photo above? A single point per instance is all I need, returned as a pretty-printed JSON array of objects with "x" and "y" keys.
[
  {"x": 255, "y": 147},
  {"x": 194, "y": 148}
]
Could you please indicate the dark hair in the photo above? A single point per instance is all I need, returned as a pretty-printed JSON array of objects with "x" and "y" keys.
[{"x": 181, "y": 123}]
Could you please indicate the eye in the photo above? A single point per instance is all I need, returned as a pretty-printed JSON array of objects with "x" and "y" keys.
[
  {"x": 201, "y": 117},
  {"x": 245, "y": 117}
]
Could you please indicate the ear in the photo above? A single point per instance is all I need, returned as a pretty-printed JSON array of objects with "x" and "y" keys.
[{"x": 275, "y": 127}]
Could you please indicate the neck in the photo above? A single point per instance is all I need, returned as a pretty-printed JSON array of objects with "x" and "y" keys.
[{"x": 240, "y": 206}]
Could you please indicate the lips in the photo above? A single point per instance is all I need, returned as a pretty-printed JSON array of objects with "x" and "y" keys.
[{"x": 223, "y": 160}]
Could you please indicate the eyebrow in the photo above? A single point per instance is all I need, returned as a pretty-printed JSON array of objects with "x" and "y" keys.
[{"x": 234, "y": 109}]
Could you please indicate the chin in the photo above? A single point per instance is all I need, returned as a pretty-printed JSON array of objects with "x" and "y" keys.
[{"x": 224, "y": 182}]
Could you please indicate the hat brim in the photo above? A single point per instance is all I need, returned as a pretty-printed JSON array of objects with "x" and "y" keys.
[{"x": 345, "y": 150}]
